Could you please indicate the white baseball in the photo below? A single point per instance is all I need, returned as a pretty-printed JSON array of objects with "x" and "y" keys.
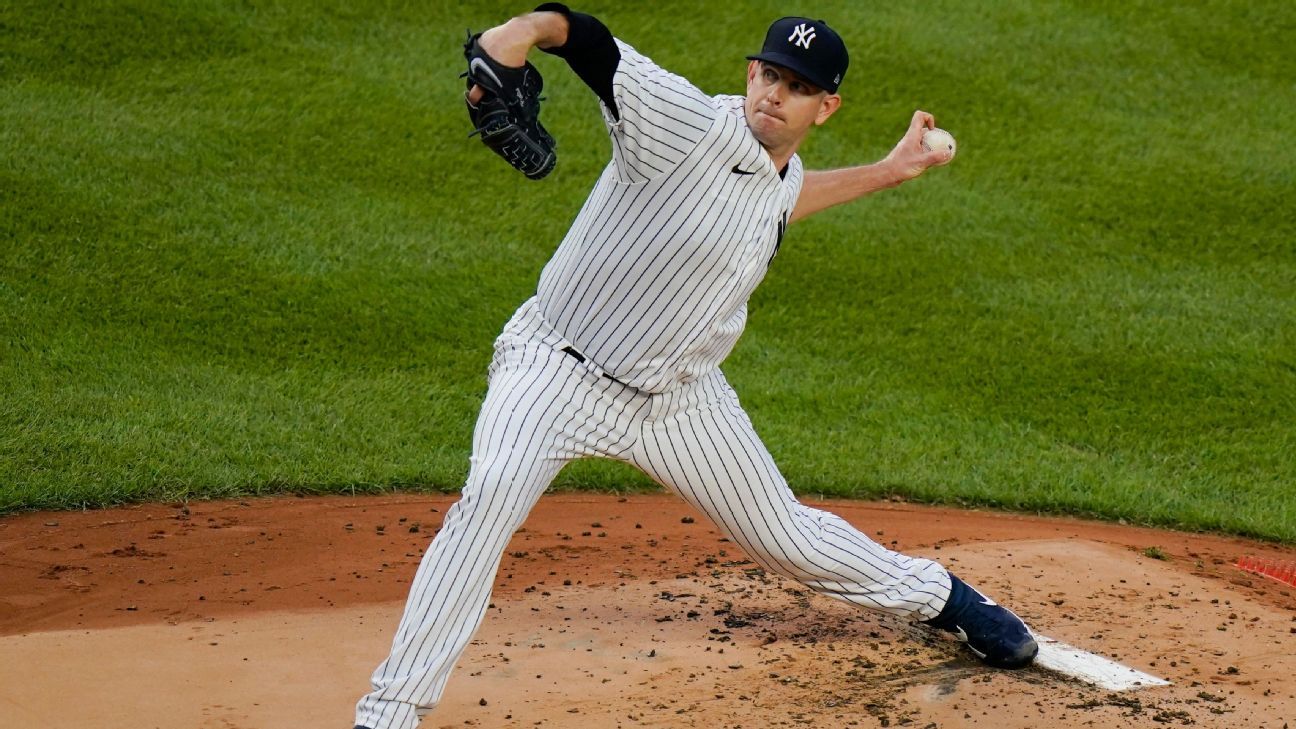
[{"x": 939, "y": 139}]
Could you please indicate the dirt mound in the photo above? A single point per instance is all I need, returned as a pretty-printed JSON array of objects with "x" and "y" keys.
[{"x": 614, "y": 613}]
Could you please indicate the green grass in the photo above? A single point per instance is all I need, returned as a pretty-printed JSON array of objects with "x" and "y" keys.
[{"x": 239, "y": 254}]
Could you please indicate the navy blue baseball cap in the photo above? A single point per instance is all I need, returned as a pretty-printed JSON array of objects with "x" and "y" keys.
[{"x": 808, "y": 47}]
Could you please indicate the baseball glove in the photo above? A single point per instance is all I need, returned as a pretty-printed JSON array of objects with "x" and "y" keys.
[{"x": 508, "y": 115}]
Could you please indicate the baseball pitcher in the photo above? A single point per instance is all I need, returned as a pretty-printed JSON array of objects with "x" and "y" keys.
[{"x": 617, "y": 354}]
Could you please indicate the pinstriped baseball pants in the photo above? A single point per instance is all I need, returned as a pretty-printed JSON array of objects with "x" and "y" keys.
[{"x": 544, "y": 409}]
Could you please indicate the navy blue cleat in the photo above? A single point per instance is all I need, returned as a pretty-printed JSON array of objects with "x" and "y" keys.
[{"x": 992, "y": 632}]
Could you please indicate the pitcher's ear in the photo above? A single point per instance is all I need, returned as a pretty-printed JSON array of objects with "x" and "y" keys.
[{"x": 830, "y": 104}]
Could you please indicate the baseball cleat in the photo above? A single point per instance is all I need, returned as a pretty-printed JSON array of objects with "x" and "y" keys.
[{"x": 993, "y": 632}]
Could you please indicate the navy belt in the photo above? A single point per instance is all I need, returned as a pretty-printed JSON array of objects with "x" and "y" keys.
[{"x": 571, "y": 351}]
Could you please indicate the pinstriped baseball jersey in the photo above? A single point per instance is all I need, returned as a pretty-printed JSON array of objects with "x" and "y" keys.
[
  {"x": 617, "y": 357},
  {"x": 651, "y": 281}
]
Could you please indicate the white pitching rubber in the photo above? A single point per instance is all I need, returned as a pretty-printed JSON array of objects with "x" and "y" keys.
[{"x": 1090, "y": 667}]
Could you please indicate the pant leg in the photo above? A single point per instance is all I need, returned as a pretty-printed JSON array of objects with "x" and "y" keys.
[
  {"x": 703, "y": 447},
  {"x": 540, "y": 412}
]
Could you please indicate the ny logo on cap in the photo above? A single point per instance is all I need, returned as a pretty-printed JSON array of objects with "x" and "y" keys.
[{"x": 801, "y": 36}]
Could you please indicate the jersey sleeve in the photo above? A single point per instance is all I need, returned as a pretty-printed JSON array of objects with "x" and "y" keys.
[
  {"x": 655, "y": 118},
  {"x": 658, "y": 117}
]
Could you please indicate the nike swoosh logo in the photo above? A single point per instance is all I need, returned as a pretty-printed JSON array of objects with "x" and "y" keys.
[
  {"x": 478, "y": 66},
  {"x": 737, "y": 171},
  {"x": 962, "y": 636}
]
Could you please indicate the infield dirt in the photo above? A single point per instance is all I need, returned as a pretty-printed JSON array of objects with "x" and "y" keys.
[{"x": 614, "y": 612}]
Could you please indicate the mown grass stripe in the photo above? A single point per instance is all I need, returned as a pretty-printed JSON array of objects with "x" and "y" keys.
[{"x": 249, "y": 249}]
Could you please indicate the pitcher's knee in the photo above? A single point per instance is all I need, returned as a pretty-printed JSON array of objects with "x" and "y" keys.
[
  {"x": 801, "y": 558},
  {"x": 490, "y": 504},
  {"x": 827, "y": 554}
]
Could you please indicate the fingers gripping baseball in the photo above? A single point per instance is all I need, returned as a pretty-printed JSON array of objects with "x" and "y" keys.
[
  {"x": 921, "y": 122},
  {"x": 910, "y": 158}
]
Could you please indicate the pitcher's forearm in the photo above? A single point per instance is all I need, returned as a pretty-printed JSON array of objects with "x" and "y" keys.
[
  {"x": 509, "y": 43},
  {"x": 823, "y": 189}
]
